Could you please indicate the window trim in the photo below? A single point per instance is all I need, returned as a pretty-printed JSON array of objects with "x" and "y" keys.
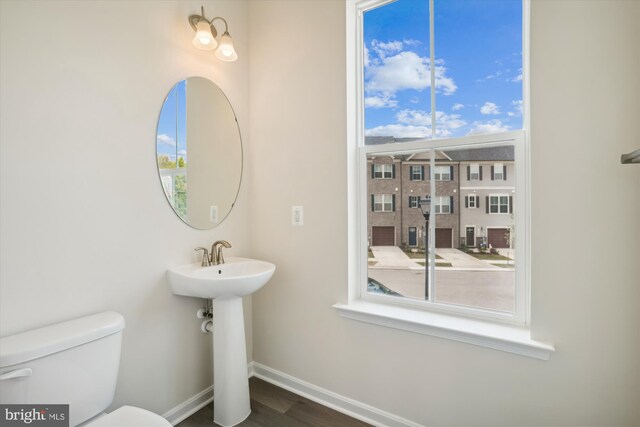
[
  {"x": 436, "y": 202},
  {"x": 420, "y": 168},
  {"x": 475, "y": 198},
  {"x": 383, "y": 166},
  {"x": 409, "y": 316},
  {"x": 439, "y": 178},
  {"x": 416, "y": 199},
  {"x": 498, "y": 195},
  {"x": 383, "y": 202}
]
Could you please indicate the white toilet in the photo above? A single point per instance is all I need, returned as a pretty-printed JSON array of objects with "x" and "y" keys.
[{"x": 75, "y": 363}]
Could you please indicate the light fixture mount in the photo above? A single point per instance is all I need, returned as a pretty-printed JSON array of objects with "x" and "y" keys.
[
  {"x": 206, "y": 35},
  {"x": 195, "y": 19}
]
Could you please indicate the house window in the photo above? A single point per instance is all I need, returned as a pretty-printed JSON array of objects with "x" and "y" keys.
[
  {"x": 499, "y": 204},
  {"x": 442, "y": 204},
  {"x": 473, "y": 172},
  {"x": 498, "y": 172},
  {"x": 443, "y": 173},
  {"x": 417, "y": 173},
  {"x": 414, "y": 202},
  {"x": 383, "y": 202},
  {"x": 407, "y": 110},
  {"x": 472, "y": 201},
  {"x": 383, "y": 171}
]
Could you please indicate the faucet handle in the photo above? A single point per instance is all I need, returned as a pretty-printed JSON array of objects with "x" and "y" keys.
[{"x": 205, "y": 256}]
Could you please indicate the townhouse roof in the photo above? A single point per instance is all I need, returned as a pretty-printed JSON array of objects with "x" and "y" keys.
[
  {"x": 504, "y": 153},
  {"x": 500, "y": 153}
]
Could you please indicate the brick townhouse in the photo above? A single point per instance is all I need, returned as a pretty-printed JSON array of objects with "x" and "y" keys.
[{"x": 472, "y": 205}]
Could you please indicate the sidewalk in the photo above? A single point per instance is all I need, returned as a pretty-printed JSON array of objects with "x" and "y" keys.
[{"x": 393, "y": 258}]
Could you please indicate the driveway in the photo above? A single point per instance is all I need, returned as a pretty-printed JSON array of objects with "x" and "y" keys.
[
  {"x": 459, "y": 259},
  {"x": 393, "y": 257}
]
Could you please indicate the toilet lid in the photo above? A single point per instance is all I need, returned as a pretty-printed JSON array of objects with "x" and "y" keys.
[{"x": 130, "y": 416}]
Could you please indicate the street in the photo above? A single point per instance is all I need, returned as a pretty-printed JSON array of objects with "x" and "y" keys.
[{"x": 494, "y": 290}]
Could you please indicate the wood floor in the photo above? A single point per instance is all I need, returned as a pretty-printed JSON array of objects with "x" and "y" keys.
[{"x": 272, "y": 406}]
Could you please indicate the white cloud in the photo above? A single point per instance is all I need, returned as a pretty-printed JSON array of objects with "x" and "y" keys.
[
  {"x": 518, "y": 78},
  {"x": 381, "y": 101},
  {"x": 384, "y": 49},
  {"x": 166, "y": 139},
  {"x": 366, "y": 57},
  {"x": 423, "y": 118},
  {"x": 517, "y": 106},
  {"x": 491, "y": 126},
  {"x": 490, "y": 108},
  {"x": 406, "y": 70},
  {"x": 400, "y": 131},
  {"x": 457, "y": 107},
  {"x": 417, "y": 124},
  {"x": 491, "y": 76}
]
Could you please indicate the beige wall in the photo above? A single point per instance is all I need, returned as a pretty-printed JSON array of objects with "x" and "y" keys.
[
  {"x": 84, "y": 222},
  {"x": 585, "y": 109}
]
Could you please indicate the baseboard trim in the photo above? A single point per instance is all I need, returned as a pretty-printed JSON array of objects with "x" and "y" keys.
[
  {"x": 189, "y": 406},
  {"x": 353, "y": 408}
]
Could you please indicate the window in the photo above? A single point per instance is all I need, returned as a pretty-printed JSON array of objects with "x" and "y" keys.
[
  {"x": 473, "y": 172},
  {"x": 472, "y": 201},
  {"x": 383, "y": 202},
  {"x": 443, "y": 204},
  {"x": 498, "y": 172},
  {"x": 414, "y": 202},
  {"x": 417, "y": 173},
  {"x": 407, "y": 104},
  {"x": 499, "y": 204},
  {"x": 383, "y": 171},
  {"x": 443, "y": 173}
]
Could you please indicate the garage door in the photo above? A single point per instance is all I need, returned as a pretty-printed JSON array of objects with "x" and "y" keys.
[
  {"x": 383, "y": 236},
  {"x": 497, "y": 237},
  {"x": 444, "y": 238}
]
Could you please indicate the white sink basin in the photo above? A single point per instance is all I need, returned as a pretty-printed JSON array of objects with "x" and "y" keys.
[{"x": 237, "y": 277}]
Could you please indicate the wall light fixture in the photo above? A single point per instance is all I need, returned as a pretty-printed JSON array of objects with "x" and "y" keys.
[{"x": 206, "y": 34}]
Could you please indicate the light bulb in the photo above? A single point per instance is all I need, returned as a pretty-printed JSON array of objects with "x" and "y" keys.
[
  {"x": 226, "y": 52},
  {"x": 204, "y": 39}
]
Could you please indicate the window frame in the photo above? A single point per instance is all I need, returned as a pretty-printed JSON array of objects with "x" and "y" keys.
[
  {"x": 415, "y": 199},
  {"x": 438, "y": 176},
  {"x": 508, "y": 333},
  {"x": 383, "y": 202},
  {"x": 471, "y": 172},
  {"x": 499, "y": 196},
  {"x": 420, "y": 169},
  {"x": 436, "y": 202},
  {"x": 470, "y": 198},
  {"x": 383, "y": 170}
]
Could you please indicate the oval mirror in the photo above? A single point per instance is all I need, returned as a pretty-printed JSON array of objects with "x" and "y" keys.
[{"x": 199, "y": 152}]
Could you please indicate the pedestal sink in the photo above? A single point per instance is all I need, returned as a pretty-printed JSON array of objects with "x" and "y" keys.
[{"x": 226, "y": 284}]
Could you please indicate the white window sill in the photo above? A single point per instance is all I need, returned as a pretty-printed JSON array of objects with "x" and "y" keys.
[{"x": 509, "y": 338}]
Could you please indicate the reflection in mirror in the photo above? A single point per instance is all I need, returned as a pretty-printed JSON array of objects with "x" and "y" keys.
[{"x": 199, "y": 152}]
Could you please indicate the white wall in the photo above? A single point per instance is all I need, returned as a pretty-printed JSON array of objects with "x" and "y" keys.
[
  {"x": 84, "y": 222},
  {"x": 585, "y": 110}
]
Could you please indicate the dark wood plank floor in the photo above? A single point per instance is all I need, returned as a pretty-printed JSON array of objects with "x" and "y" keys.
[{"x": 272, "y": 406}]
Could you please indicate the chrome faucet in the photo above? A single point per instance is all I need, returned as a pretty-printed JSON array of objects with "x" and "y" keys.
[{"x": 216, "y": 256}]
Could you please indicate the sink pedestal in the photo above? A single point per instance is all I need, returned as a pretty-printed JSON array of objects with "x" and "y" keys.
[{"x": 230, "y": 376}]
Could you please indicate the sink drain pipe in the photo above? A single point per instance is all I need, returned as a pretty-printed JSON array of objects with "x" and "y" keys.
[{"x": 206, "y": 313}]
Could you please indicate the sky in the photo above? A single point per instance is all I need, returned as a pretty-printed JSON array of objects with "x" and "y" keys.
[
  {"x": 171, "y": 135},
  {"x": 478, "y": 67}
]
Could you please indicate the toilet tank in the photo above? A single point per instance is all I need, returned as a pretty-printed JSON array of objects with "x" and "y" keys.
[{"x": 74, "y": 362}]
